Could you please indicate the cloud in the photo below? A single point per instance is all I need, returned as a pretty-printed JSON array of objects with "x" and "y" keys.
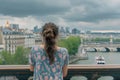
[
  {"x": 93, "y": 11},
  {"x": 24, "y": 22},
  {"x": 83, "y": 14},
  {"x": 22, "y": 8}
]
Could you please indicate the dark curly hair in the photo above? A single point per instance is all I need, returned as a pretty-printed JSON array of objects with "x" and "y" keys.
[{"x": 50, "y": 33}]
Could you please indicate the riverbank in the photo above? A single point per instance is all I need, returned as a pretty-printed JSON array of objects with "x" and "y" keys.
[{"x": 74, "y": 59}]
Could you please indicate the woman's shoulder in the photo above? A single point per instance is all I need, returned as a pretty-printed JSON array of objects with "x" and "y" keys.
[
  {"x": 63, "y": 50},
  {"x": 36, "y": 48}
]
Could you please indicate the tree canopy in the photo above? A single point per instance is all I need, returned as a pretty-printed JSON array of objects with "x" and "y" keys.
[
  {"x": 71, "y": 43},
  {"x": 19, "y": 57}
]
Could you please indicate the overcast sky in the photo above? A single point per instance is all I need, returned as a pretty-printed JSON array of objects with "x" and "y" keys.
[{"x": 83, "y": 14}]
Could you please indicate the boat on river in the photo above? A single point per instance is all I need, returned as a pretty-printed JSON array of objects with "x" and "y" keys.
[{"x": 100, "y": 60}]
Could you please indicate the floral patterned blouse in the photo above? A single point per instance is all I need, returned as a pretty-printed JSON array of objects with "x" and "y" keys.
[{"x": 42, "y": 69}]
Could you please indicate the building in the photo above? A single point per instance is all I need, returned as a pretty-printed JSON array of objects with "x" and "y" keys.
[
  {"x": 62, "y": 33},
  {"x": 75, "y": 31},
  {"x": 14, "y": 37},
  {"x": 14, "y": 27},
  {"x": 36, "y": 29},
  {"x": 67, "y": 30},
  {"x": 1, "y": 42},
  {"x": 11, "y": 36},
  {"x": 38, "y": 39},
  {"x": 29, "y": 40},
  {"x": 12, "y": 40}
]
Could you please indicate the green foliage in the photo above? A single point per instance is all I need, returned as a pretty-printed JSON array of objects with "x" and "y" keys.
[
  {"x": 71, "y": 43},
  {"x": 6, "y": 57},
  {"x": 19, "y": 57},
  {"x": 116, "y": 40},
  {"x": 101, "y": 39}
]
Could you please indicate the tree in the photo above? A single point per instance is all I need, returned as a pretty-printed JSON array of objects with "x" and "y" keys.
[
  {"x": 71, "y": 43},
  {"x": 6, "y": 57},
  {"x": 21, "y": 55}
]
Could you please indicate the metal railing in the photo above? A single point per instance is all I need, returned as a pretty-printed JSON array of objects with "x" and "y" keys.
[{"x": 91, "y": 72}]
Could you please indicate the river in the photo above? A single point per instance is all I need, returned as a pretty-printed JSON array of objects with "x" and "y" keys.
[{"x": 110, "y": 58}]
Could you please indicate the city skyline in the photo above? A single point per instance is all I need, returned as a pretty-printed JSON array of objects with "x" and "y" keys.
[{"x": 81, "y": 14}]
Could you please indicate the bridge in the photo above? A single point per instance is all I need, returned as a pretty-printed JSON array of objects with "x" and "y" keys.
[
  {"x": 101, "y": 47},
  {"x": 91, "y": 72}
]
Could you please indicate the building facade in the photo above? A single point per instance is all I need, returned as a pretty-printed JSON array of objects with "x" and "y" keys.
[
  {"x": 1, "y": 41},
  {"x": 12, "y": 37}
]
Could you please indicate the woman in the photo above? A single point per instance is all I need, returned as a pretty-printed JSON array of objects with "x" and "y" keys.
[{"x": 48, "y": 61}]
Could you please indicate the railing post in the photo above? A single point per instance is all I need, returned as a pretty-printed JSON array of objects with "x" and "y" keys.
[
  {"x": 67, "y": 78},
  {"x": 93, "y": 76},
  {"x": 115, "y": 78},
  {"x": 23, "y": 77}
]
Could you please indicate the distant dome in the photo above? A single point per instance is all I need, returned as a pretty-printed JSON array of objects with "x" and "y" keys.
[{"x": 7, "y": 24}]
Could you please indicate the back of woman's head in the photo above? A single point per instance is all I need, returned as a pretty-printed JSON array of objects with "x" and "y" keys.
[{"x": 50, "y": 33}]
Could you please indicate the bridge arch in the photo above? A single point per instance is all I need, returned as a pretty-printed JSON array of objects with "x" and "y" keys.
[
  {"x": 95, "y": 49},
  {"x": 118, "y": 49},
  {"x": 107, "y": 49},
  {"x": 91, "y": 49},
  {"x": 112, "y": 49},
  {"x": 79, "y": 77},
  {"x": 102, "y": 47}
]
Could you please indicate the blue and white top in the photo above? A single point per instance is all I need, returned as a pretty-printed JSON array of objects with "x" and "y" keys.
[{"x": 42, "y": 69}]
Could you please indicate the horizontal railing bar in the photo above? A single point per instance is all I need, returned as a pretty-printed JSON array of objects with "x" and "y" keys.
[
  {"x": 14, "y": 67},
  {"x": 100, "y": 66},
  {"x": 71, "y": 66}
]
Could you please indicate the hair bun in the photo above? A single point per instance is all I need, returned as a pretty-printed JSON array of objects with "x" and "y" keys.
[{"x": 48, "y": 33}]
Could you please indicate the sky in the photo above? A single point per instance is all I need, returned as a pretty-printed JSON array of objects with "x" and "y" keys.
[{"x": 81, "y": 14}]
